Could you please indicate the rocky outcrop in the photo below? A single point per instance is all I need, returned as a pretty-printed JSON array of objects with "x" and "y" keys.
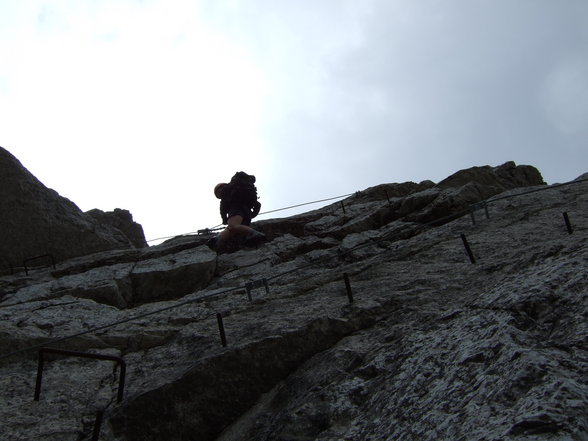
[
  {"x": 36, "y": 220},
  {"x": 123, "y": 221},
  {"x": 495, "y": 180},
  {"x": 421, "y": 344},
  {"x": 421, "y": 203},
  {"x": 128, "y": 284}
]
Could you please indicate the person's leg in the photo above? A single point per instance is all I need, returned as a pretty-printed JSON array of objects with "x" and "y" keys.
[
  {"x": 238, "y": 228},
  {"x": 235, "y": 228}
]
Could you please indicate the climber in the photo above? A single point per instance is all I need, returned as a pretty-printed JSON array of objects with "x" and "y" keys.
[{"x": 238, "y": 206}]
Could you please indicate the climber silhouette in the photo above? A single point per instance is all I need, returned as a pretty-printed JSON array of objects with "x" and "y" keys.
[{"x": 238, "y": 206}]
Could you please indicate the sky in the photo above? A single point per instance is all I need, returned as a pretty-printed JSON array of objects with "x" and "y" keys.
[{"x": 146, "y": 105}]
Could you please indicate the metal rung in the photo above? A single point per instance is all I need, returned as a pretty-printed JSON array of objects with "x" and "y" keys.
[
  {"x": 50, "y": 256},
  {"x": 120, "y": 361},
  {"x": 256, "y": 284}
]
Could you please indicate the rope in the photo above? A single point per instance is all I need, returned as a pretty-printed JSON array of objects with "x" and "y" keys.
[
  {"x": 220, "y": 226},
  {"x": 308, "y": 203},
  {"x": 313, "y": 262},
  {"x": 537, "y": 189}
]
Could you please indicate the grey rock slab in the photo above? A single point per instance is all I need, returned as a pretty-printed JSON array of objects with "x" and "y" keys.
[
  {"x": 109, "y": 285},
  {"x": 172, "y": 276}
]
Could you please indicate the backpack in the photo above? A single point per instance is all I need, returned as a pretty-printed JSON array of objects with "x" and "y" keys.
[{"x": 242, "y": 189}]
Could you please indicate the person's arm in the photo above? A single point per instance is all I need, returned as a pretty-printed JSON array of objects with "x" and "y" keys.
[
  {"x": 223, "y": 212},
  {"x": 255, "y": 209}
]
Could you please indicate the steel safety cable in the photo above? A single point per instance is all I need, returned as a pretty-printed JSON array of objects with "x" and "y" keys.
[
  {"x": 220, "y": 226},
  {"x": 119, "y": 322},
  {"x": 313, "y": 262}
]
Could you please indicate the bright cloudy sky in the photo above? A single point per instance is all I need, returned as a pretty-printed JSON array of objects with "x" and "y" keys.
[{"x": 147, "y": 104}]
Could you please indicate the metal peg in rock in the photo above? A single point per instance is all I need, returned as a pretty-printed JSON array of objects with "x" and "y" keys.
[
  {"x": 348, "y": 287},
  {"x": 468, "y": 249},
  {"x": 567, "y": 221},
  {"x": 120, "y": 362},
  {"x": 343, "y": 207},
  {"x": 221, "y": 329},
  {"x": 29, "y": 260},
  {"x": 97, "y": 425},
  {"x": 256, "y": 284},
  {"x": 478, "y": 206}
]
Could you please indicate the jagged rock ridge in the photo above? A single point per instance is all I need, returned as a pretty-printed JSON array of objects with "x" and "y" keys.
[
  {"x": 433, "y": 347},
  {"x": 36, "y": 220}
]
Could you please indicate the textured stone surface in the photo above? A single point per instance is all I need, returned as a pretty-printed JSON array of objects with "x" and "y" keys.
[
  {"x": 172, "y": 276},
  {"x": 123, "y": 221},
  {"x": 36, "y": 221},
  {"x": 433, "y": 347},
  {"x": 129, "y": 283},
  {"x": 408, "y": 202}
]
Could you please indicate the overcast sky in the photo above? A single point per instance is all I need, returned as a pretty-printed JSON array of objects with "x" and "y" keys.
[{"x": 147, "y": 104}]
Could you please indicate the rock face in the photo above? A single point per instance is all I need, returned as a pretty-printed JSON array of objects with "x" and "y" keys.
[
  {"x": 133, "y": 280},
  {"x": 426, "y": 341},
  {"x": 36, "y": 221},
  {"x": 123, "y": 221}
]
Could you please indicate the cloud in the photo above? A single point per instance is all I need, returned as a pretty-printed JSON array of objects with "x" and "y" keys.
[
  {"x": 565, "y": 96},
  {"x": 438, "y": 86},
  {"x": 154, "y": 102}
]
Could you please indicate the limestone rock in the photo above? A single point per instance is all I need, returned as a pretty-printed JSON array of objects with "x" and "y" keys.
[
  {"x": 122, "y": 220},
  {"x": 109, "y": 285},
  {"x": 409, "y": 202},
  {"x": 172, "y": 276},
  {"x": 425, "y": 345},
  {"x": 496, "y": 179},
  {"x": 36, "y": 221},
  {"x": 388, "y": 191},
  {"x": 121, "y": 282}
]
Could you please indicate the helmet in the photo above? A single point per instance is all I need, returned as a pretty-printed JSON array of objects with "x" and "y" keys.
[{"x": 218, "y": 188}]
